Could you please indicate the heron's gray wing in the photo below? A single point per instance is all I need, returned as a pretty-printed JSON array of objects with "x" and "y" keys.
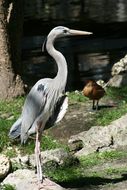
[
  {"x": 15, "y": 130},
  {"x": 59, "y": 111},
  {"x": 34, "y": 105}
]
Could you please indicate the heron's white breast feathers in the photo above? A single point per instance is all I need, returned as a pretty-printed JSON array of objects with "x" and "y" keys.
[{"x": 63, "y": 110}]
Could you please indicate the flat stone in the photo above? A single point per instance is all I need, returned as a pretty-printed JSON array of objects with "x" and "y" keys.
[
  {"x": 27, "y": 179},
  {"x": 58, "y": 155}
]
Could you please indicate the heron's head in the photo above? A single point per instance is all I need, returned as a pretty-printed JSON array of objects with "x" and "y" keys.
[{"x": 61, "y": 31}]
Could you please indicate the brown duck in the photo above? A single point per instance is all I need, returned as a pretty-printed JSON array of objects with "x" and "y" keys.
[{"x": 94, "y": 92}]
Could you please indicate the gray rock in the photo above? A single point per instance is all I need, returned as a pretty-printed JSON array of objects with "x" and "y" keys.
[
  {"x": 118, "y": 80},
  {"x": 101, "y": 138},
  {"x": 119, "y": 73},
  {"x": 4, "y": 166},
  {"x": 57, "y": 155},
  {"x": 22, "y": 160},
  {"x": 27, "y": 179},
  {"x": 51, "y": 158},
  {"x": 120, "y": 66}
]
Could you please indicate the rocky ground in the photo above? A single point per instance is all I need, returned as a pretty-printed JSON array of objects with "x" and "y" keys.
[{"x": 78, "y": 120}]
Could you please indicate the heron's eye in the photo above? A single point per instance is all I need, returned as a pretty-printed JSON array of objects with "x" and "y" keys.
[{"x": 65, "y": 31}]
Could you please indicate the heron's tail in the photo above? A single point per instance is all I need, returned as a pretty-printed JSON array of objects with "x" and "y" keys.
[{"x": 15, "y": 130}]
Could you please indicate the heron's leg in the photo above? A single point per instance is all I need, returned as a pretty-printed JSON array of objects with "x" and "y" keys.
[
  {"x": 38, "y": 155},
  {"x": 42, "y": 181}
]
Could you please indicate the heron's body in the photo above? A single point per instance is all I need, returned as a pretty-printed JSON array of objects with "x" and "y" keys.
[
  {"x": 93, "y": 91},
  {"x": 46, "y": 103}
]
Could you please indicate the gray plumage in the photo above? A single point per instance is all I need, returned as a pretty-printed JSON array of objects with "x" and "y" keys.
[{"x": 37, "y": 101}]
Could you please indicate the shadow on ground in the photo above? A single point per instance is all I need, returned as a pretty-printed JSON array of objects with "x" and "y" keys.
[{"x": 92, "y": 182}]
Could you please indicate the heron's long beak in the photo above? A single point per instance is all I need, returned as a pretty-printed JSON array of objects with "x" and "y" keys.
[{"x": 79, "y": 32}]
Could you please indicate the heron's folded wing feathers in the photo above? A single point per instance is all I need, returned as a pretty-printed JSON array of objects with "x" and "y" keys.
[
  {"x": 33, "y": 106},
  {"x": 59, "y": 111},
  {"x": 15, "y": 130}
]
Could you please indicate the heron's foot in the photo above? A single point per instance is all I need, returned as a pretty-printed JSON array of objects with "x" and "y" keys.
[
  {"x": 43, "y": 177},
  {"x": 46, "y": 184}
]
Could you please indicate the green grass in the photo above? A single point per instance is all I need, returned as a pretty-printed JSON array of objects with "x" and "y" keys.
[
  {"x": 105, "y": 117},
  {"x": 9, "y": 112},
  {"x": 7, "y": 187},
  {"x": 97, "y": 158},
  {"x": 114, "y": 171},
  {"x": 119, "y": 96},
  {"x": 80, "y": 170},
  {"x": 76, "y": 96},
  {"x": 48, "y": 143}
]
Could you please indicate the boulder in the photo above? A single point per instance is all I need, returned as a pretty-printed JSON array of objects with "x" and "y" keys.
[
  {"x": 118, "y": 80},
  {"x": 120, "y": 66},
  {"x": 119, "y": 73},
  {"x": 58, "y": 156},
  {"x": 101, "y": 138},
  {"x": 50, "y": 158},
  {"x": 27, "y": 179},
  {"x": 4, "y": 166}
]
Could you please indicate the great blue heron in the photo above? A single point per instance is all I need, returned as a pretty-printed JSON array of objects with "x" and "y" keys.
[{"x": 46, "y": 103}]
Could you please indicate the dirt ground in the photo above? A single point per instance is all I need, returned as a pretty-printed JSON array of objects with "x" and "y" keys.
[{"x": 79, "y": 118}]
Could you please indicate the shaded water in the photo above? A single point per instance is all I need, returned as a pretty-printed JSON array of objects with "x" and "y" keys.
[{"x": 87, "y": 57}]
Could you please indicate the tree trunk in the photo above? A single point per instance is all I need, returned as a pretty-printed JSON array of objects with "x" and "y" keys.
[{"x": 11, "y": 84}]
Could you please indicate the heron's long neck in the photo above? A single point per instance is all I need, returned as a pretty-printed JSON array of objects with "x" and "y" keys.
[{"x": 61, "y": 76}]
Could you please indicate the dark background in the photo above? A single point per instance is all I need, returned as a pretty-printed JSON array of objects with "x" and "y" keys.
[{"x": 89, "y": 57}]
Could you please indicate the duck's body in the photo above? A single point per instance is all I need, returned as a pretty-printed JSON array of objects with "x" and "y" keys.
[{"x": 94, "y": 92}]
